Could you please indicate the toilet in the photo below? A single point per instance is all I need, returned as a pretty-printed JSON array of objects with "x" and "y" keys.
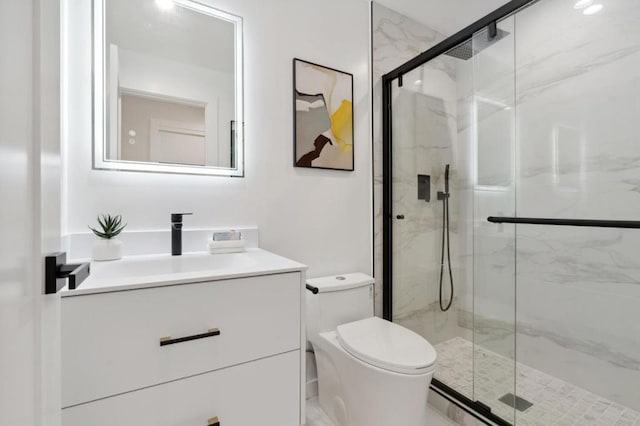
[{"x": 371, "y": 372}]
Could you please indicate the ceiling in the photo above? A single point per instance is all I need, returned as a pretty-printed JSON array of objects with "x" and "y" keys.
[{"x": 445, "y": 16}]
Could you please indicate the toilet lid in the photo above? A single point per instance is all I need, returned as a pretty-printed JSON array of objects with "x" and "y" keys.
[{"x": 387, "y": 345}]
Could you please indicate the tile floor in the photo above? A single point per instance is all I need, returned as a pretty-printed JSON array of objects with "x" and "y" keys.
[
  {"x": 555, "y": 402},
  {"x": 317, "y": 417}
]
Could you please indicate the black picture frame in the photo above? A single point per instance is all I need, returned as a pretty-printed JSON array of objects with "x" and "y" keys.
[{"x": 296, "y": 162}]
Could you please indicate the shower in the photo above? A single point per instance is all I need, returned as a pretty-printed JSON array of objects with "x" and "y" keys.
[
  {"x": 444, "y": 196},
  {"x": 511, "y": 106}
]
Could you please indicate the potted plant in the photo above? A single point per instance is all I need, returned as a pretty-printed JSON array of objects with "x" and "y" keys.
[{"x": 107, "y": 247}]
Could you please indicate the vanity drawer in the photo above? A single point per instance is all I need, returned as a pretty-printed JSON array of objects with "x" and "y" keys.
[
  {"x": 116, "y": 342},
  {"x": 263, "y": 392}
]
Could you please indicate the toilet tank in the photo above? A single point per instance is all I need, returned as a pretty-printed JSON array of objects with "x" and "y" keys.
[{"x": 340, "y": 299}]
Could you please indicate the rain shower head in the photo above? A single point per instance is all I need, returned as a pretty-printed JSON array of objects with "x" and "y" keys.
[{"x": 475, "y": 45}]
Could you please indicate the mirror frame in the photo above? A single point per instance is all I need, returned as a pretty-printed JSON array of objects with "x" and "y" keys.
[{"x": 100, "y": 106}]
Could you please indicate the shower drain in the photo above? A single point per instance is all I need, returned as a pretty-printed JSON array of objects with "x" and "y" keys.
[{"x": 516, "y": 402}]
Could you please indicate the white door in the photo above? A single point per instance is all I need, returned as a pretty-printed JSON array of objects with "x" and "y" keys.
[
  {"x": 174, "y": 142},
  {"x": 29, "y": 210}
]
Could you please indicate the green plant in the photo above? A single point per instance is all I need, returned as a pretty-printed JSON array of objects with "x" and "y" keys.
[{"x": 111, "y": 226}]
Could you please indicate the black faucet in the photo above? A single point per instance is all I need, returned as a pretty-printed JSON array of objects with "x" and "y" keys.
[{"x": 176, "y": 233}]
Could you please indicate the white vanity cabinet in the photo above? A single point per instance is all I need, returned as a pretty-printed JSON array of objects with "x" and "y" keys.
[
  {"x": 224, "y": 350},
  {"x": 261, "y": 392}
]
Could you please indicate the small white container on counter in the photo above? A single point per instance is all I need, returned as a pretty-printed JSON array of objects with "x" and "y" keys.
[
  {"x": 228, "y": 246},
  {"x": 106, "y": 249}
]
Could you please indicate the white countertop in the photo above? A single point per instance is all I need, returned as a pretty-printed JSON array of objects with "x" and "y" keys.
[{"x": 136, "y": 272}]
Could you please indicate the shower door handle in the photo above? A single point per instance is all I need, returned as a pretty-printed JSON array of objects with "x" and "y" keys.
[{"x": 400, "y": 217}]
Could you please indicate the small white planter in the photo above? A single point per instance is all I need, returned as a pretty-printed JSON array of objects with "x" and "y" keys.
[{"x": 104, "y": 249}]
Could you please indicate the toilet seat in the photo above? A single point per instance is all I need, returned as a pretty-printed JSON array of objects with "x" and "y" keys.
[{"x": 387, "y": 345}]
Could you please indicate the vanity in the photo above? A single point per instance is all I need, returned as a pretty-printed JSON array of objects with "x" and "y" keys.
[
  {"x": 155, "y": 339},
  {"x": 196, "y": 339}
]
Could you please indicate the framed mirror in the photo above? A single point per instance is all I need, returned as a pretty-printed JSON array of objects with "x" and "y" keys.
[{"x": 167, "y": 88}]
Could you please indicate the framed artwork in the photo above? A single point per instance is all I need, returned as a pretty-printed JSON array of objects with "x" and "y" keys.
[{"x": 323, "y": 117}]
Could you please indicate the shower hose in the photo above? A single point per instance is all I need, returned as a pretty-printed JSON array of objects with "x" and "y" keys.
[{"x": 445, "y": 241}]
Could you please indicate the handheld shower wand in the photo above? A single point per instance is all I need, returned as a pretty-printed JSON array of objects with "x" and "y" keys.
[
  {"x": 444, "y": 196},
  {"x": 446, "y": 180}
]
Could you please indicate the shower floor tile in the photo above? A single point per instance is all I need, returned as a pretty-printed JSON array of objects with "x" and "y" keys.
[{"x": 555, "y": 402}]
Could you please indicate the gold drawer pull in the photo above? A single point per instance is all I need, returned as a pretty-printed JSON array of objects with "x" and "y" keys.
[
  {"x": 164, "y": 341},
  {"x": 213, "y": 421}
]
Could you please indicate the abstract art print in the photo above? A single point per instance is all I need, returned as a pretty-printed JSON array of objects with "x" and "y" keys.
[{"x": 323, "y": 120}]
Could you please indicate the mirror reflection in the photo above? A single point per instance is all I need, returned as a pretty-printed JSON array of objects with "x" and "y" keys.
[{"x": 171, "y": 87}]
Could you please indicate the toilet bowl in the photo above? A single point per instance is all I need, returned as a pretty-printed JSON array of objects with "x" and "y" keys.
[{"x": 370, "y": 371}]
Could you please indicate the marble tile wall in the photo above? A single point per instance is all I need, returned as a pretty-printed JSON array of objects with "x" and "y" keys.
[
  {"x": 578, "y": 289},
  {"x": 395, "y": 40},
  {"x": 424, "y": 135}
]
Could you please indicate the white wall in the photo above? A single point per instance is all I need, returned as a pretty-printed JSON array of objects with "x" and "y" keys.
[{"x": 321, "y": 218}]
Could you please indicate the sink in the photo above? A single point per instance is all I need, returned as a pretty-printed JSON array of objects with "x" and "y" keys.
[
  {"x": 143, "y": 266},
  {"x": 158, "y": 270}
]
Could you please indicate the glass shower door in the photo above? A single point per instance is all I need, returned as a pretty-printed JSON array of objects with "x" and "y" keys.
[
  {"x": 578, "y": 87},
  {"x": 534, "y": 323},
  {"x": 493, "y": 153},
  {"x": 432, "y": 291},
  {"x": 453, "y": 166},
  {"x": 423, "y": 145}
]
